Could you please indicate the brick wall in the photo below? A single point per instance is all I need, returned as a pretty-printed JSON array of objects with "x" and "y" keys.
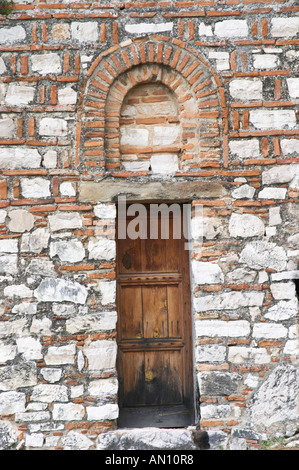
[{"x": 192, "y": 100}]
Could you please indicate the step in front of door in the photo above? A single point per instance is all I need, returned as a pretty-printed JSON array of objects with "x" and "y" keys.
[{"x": 147, "y": 439}]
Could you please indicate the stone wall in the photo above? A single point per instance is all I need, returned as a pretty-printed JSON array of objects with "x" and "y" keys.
[{"x": 78, "y": 128}]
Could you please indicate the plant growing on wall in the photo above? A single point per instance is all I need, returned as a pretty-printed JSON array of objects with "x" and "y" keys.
[{"x": 6, "y": 7}]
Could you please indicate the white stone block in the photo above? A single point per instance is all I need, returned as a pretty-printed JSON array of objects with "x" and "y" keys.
[
  {"x": 67, "y": 189},
  {"x": 269, "y": 330},
  {"x": 214, "y": 328},
  {"x": 35, "y": 440},
  {"x": 164, "y": 163},
  {"x": 8, "y": 264},
  {"x": 12, "y": 402},
  {"x": 8, "y": 245},
  {"x": 50, "y": 159},
  {"x": 35, "y": 241},
  {"x": 273, "y": 119},
  {"x": 30, "y": 347},
  {"x": 105, "y": 211},
  {"x": 283, "y": 310},
  {"x": 228, "y": 301},
  {"x": 53, "y": 127},
  {"x": 101, "y": 355},
  {"x": 274, "y": 216},
  {"x": 108, "y": 291},
  {"x": 68, "y": 412},
  {"x": 61, "y": 290},
  {"x": 71, "y": 251},
  {"x": 3, "y": 68},
  {"x": 21, "y": 220},
  {"x": 285, "y": 27},
  {"x": 210, "y": 353},
  {"x": 134, "y": 137},
  {"x": 18, "y": 290},
  {"x": 243, "y": 192},
  {"x": 101, "y": 248},
  {"x": 204, "y": 30},
  {"x": 48, "y": 63},
  {"x": 141, "y": 165},
  {"x": 265, "y": 61},
  {"x": 102, "y": 412},
  {"x": 245, "y": 148},
  {"x": 289, "y": 146},
  {"x": 264, "y": 255},
  {"x": 19, "y": 95},
  {"x": 47, "y": 393},
  {"x": 60, "y": 355},
  {"x": 7, "y": 353},
  {"x": 146, "y": 28},
  {"x": 231, "y": 28},
  {"x": 19, "y": 158},
  {"x": 7, "y": 128},
  {"x": 222, "y": 59},
  {"x": 242, "y": 355},
  {"x": 272, "y": 193},
  {"x": 103, "y": 387},
  {"x": 67, "y": 96},
  {"x": 207, "y": 273},
  {"x": 277, "y": 174},
  {"x": 245, "y": 225},
  {"x": 64, "y": 220},
  {"x": 85, "y": 32},
  {"x": 165, "y": 135},
  {"x": 12, "y": 35},
  {"x": 293, "y": 86},
  {"x": 246, "y": 89},
  {"x": 35, "y": 188}
]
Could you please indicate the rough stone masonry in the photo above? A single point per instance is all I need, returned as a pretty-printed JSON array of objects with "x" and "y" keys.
[{"x": 157, "y": 100}]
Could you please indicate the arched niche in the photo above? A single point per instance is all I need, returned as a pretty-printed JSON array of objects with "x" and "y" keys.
[{"x": 195, "y": 87}]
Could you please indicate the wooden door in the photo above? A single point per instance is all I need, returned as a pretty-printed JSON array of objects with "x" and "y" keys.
[{"x": 154, "y": 329}]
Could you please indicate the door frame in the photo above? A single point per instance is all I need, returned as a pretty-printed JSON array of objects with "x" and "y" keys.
[{"x": 191, "y": 355}]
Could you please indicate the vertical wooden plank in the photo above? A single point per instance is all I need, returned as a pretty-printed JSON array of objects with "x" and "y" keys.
[
  {"x": 131, "y": 317},
  {"x": 154, "y": 305}
]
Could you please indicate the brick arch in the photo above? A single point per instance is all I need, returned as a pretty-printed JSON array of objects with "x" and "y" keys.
[{"x": 179, "y": 67}]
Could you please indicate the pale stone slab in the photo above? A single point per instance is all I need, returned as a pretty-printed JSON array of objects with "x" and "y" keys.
[
  {"x": 228, "y": 301},
  {"x": 19, "y": 95},
  {"x": 245, "y": 148},
  {"x": 245, "y": 225},
  {"x": 12, "y": 35},
  {"x": 12, "y": 402},
  {"x": 134, "y": 137},
  {"x": 269, "y": 330},
  {"x": 68, "y": 412},
  {"x": 8, "y": 245},
  {"x": 47, "y": 63},
  {"x": 164, "y": 163},
  {"x": 35, "y": 241},
  {"x": 53, "y": 127},
  {"x": 71, "y": 251},
  {"x": 60, "y": 290},
  {"x": 243, "y": 355},
  {"x": 7, "y": 128},
  {"x": 273, "y": 193},
  {"x": 35, "y": 188},
  {"x": 65, "y": 220},
  {"x": 265, "y": 61},
  {"x": 102, "y": 413},
  {"x": 19, "y": 158},
  {"x": 85, "y": 32},
  {"x": 102, "y": 321},
  {"x": 246, "y": 89},
  {"x": 231, "y": 28},
  {"x": 48, "y": 393},
  {"x": 59, "y": 355},
  {"x": 101, "y": 355},
  {"x": 263, "y": 255},
  {"x": 21, "y": 220},
  {"x": 207, "y": 273},
  {"x": 274, "y": 119},
  {"x": 101, "y": 248},
  {"x": 284, "y": 27}
]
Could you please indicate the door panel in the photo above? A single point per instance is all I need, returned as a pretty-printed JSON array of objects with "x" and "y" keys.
[{"x": 154, "y": 331}]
